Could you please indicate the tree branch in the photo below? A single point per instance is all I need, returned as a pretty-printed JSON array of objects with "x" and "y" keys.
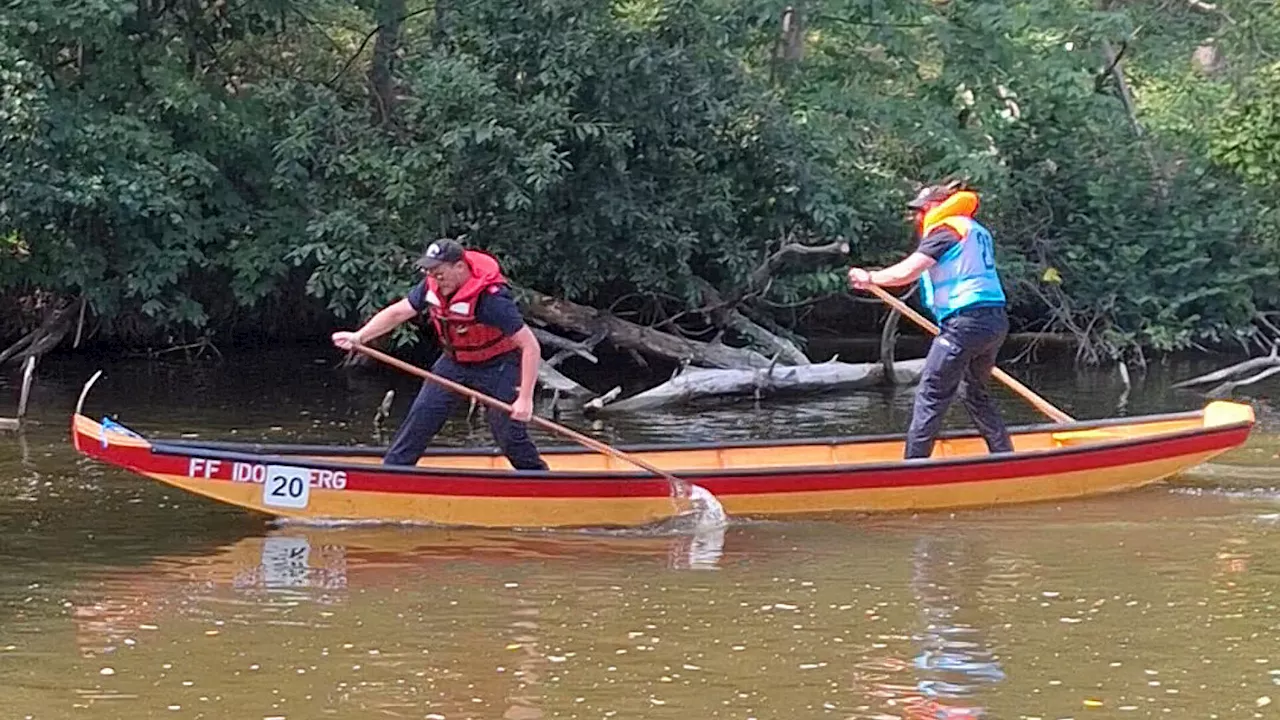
[
  {"x": 589, "y": 321},
  {"x": 761, "y": 274},
  {"x": 868, "y": 23},
  {"x": 364, "y": 43},
  {"x": 758, "y": 337},
  {"x": 566, "y": 348},
  {"x": 1113, "y": 58}
]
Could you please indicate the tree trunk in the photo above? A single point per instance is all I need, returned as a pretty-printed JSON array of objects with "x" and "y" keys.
[
  {"x": 390, "y": 16},
  {"x": 440, "y": 29},
  {"x": 1115, "y": 68},
  {"x": 790, "y": 45},
  {"x": 793, "y": 30}
]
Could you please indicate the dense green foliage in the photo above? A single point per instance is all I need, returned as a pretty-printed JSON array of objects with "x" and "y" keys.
[{"x": 198, "y": 165}]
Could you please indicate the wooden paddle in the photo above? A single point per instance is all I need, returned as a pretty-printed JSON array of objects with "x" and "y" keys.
[
  {"x": 679, "y": 488},
  {"x": 1041, "y": 404}
]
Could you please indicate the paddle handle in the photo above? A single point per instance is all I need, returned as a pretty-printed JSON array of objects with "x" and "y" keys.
[
  {"x": 1040, "y": 403},
  {"x": 677, "y": 484}
]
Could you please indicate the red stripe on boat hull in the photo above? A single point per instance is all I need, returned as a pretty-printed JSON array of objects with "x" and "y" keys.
[{"x": 728, "y": 483}]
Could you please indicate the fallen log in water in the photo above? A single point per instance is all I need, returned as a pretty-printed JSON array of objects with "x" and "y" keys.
[
  {"x": 1233, "y": 376},
  {"x": 725, "y": 310},
  {"x": 587, "y": 320},
  {"x": 699, "y": 383},
  {"x": 759, "y": 338}
]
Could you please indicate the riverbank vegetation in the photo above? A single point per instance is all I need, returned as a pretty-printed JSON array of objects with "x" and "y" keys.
[{"x": 204, "y": 171}]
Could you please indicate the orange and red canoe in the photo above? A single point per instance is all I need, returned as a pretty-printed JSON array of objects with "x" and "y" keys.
[{"x": 477, "y": 487}]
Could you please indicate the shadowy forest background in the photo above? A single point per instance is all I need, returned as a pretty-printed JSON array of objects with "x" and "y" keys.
[{"x": 223, "y": 171}]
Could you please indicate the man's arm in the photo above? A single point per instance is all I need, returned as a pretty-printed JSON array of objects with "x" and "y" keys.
[
  {"x": 909, "y": 269},
  {"x": 387, "y": 319},
  {"x": 929, "y": 253},
  {"x": 499, "y": 309},
  {"x": 904, "y": 272},
  {"x": 530, "y": 360}
]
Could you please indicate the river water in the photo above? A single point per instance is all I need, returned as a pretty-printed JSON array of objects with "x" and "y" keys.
[{"x": 120, "y": 598}]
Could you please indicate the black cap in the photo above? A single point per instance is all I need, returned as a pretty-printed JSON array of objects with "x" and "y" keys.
[
  {"x": 440, "y": 252},
  {"x": 933, "y": 194}
]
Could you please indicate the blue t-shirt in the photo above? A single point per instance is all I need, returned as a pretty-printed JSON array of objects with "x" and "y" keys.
[
  {"x": 497, "y": 308},
  {"x": 939, "y": 242}
]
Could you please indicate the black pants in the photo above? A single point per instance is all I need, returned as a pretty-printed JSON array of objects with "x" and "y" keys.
[
  {"x": 499, "y": 379},
  {"x": 960, "y": 360}
]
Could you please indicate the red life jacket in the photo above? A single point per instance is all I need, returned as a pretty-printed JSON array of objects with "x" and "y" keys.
[{"x": 464, "y": 339}]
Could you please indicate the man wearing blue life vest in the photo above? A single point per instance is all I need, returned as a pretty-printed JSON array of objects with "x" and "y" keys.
[
  {"x": 955, "y": 262},
  {"x": 486, "y": 344}
]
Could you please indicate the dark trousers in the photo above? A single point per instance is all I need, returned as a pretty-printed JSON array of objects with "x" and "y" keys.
[
  {"x": 499, "y": 379},
  {"x": 960, "y": 360}
]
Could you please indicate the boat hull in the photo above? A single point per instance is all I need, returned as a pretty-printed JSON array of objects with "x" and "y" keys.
[{"x": 749, "y": 479}]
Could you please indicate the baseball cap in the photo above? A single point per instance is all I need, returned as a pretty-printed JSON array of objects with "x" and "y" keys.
[
  {"x": 440, "y": 252},
  {"x": 933, "y": 194}
]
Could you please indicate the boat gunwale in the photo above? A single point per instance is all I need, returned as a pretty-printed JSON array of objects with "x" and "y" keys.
[
  {"x": 568, "y": 449},
  {"x": 174, "y": 449}
]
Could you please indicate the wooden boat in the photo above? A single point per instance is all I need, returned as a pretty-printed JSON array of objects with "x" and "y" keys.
[{"x": 477, "y": 487}]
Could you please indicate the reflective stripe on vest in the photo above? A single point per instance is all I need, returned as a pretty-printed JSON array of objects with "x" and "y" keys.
[{"x": 965, "y": 276}]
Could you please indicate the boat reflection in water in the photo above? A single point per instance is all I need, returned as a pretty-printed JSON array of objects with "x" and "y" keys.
[
  {"x": 953, "y": 659},
  {"x": 321, "y": 564},
  {"x": 306, "y": 559}
]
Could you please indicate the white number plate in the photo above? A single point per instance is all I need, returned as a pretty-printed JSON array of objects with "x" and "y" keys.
[{"x": 288, "y": 487}]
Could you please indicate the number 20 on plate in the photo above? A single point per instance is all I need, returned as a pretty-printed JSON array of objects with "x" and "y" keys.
[{"x": 288, "y": 487}]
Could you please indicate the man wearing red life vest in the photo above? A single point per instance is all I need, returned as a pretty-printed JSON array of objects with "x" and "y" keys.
[
  {"x": 955, "y": 262},
  {"x": 486, "y": 346}
]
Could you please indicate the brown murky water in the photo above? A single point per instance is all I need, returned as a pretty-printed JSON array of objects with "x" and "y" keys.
[{"x": 122, "y": 599}]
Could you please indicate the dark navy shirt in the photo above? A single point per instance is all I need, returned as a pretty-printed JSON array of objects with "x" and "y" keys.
[
  {"x": 938, "y": 242},
  {"x": 498, "y": 308}
]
